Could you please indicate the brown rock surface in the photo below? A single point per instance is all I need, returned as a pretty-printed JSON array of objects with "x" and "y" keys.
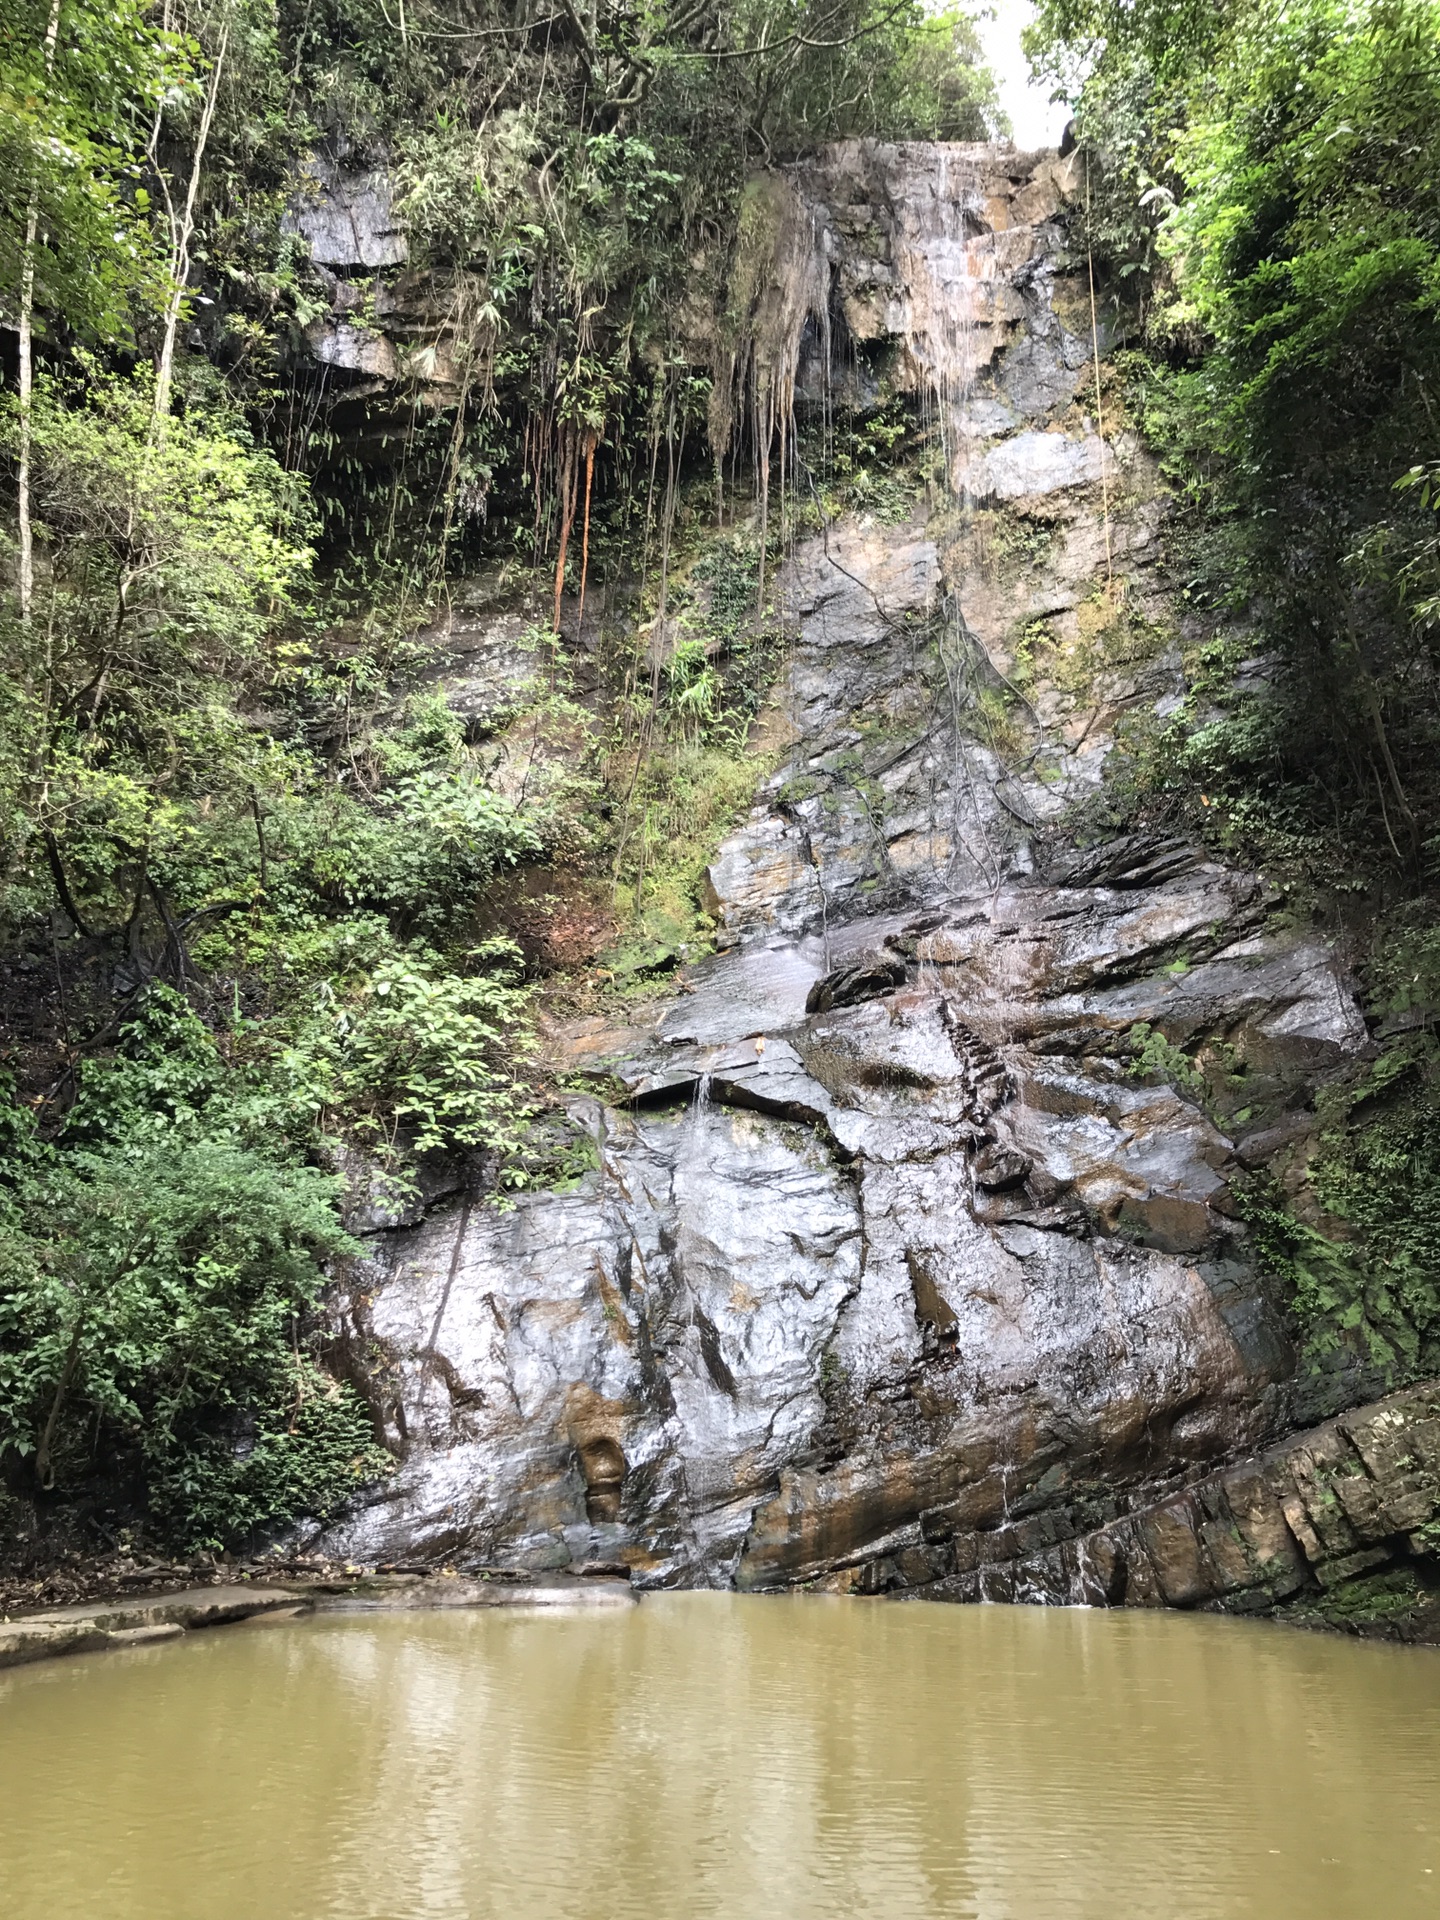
[
  {"x": 1244, "y": 1539},
  {"x": 892, "y": 1270}
]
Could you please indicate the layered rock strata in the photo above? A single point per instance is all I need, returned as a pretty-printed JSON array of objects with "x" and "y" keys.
[
  {"x": 901, "y": 1259},
  {"x": 1340, "y": 1525}
]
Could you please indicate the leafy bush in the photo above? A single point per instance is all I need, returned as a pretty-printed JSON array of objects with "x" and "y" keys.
[
  {"x": 419, "y": 852},
  {"x": 155, "y": 1296},
  {"x": 416, "y": 1057},
  {"x": 158, "y": 1275},
  {"x": 299, "y": 1449}
]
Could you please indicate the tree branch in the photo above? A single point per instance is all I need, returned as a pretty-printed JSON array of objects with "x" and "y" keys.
[{"x": 62, "y": 885}]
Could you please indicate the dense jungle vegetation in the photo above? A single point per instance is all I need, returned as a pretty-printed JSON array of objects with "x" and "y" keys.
[
  {"x": 255, "y": 914},
  {"x": 267, "y": 907},
  {"x": 1265, "y": 206}
]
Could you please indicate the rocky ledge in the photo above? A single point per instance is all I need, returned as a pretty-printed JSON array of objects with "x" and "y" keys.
[
  {"x": 111, "y": 1625},
  {"x": 1339, "y": 1526},
  {"x": 913, "y": 1255}
]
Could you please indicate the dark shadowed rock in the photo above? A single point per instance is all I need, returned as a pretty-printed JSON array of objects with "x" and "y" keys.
[{"x": 864, "y": 978}]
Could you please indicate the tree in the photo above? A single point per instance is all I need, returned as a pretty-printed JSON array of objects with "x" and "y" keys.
[
  {"x": 77, "y": 83},
  {"x": 170, "y": 564}
]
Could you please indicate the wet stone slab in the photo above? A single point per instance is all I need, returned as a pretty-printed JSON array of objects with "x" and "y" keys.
[{"x": 886, "y": 1222}]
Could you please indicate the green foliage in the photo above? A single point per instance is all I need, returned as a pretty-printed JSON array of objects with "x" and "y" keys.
[
  {"x": 165, "y": 1078},
  {"x": 1404, "y": 967},
  {"x": 168, "y": 563},
  {"x": 1395, "y": 1598},
  {"x": 1263, "y": 180},
  {"x": 1070, "y": 38},
  {"x": 1307, "y": 240},
  {"x": 194, "y": 535},
  {"x": 1267, "y": 178},
  {"x": 1127, "y": 121},
  {"x": 71, "y": 140},
  {"x": 415, "y": 1051},
  {"x": 303, "y": 1444},
  {"x": 1379, "y": 1172},
  {"x": 419, "y": 852},
  {"x": 864, "y": 460},
  {"x": 1017, "y": 540},
  {"x": 682, "y": 803},
  {"x": 1368, "y": 1275},
  {"x": 156, "y": 1282},
  {"x": 680, "y": 759},
  {"x": 1156, "y": 1057}
]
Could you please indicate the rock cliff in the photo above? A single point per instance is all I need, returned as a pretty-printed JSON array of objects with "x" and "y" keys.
[{"x": 890, "y": 1253}]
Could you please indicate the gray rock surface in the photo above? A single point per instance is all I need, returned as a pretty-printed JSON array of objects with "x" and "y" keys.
[
  {"x": 889, "y": 1242},
  {"x": 485, "y": 660},
  {"x": 346, "y": 213},
  {"x": 354, "y": 349},
  {"x": 108, "y": 1625},
  {"x": 1036, "y": 463}
]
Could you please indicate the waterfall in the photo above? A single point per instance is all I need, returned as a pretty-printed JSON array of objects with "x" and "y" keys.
[
  {"x": 945, "y": 261},
  {"x": 696, "y": 1118},
  {"x": 938, "y": 283}
]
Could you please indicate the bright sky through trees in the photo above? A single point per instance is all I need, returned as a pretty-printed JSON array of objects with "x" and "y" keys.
[{"x": 1037, "y": 123}]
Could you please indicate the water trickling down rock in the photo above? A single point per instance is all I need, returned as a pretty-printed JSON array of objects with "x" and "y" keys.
[{"x": 888, "y": 1257}]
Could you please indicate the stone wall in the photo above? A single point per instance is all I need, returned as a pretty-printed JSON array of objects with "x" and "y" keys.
[{"x": 894, "y": 1272}]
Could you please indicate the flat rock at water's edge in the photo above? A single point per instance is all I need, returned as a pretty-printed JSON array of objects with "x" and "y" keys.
[
  {"x": 197, "y": 1607},
  {"x": 105, "y": 1625},
  {"x": 441, "y": 1593},
  {"x": 108, "y": 1625}
]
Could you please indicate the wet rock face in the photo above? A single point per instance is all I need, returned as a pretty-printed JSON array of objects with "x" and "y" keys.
[
  {"x": 1338, "y": 1526},
  {"x": 889, "y": 1248},
  {"x": 617, "y": 1374},
  {"x": 346, "y": 213},
  {"x": 948, "y": 251},
  {"x": 931, "y": 1253}
]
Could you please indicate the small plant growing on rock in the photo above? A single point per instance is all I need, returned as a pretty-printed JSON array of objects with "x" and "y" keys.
[{"x": 1155, "y": 1057}]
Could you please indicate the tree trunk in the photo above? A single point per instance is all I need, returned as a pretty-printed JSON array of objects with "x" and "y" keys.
[
  {"x": 569, "y": 481},
  {"x": 26, "y": 331},
  {"x": 182, "y": 232},
  {"x": 585, "y": 536},
  {"x": 44, "y": 1472}
]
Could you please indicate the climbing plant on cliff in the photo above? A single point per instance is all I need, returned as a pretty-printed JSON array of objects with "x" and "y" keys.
[{"x": 1266, "y": 180}]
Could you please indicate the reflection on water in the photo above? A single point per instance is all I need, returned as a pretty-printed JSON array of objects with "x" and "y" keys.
[{"x": 710, "y": 1755}]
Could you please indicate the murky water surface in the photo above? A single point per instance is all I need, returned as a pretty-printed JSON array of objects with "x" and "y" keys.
[{"x": 708, "y": 1755}]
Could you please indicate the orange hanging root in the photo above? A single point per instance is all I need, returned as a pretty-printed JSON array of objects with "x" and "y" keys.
[
  {"x": 585, "y": 532},
  {"x": 567, "y": 516}
]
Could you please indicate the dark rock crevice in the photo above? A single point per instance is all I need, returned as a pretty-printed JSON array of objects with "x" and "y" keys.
[{"x": 902, "y": 1271}]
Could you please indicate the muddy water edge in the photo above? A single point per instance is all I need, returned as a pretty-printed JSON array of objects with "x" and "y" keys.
[{"x": 709, "y": 1754}]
